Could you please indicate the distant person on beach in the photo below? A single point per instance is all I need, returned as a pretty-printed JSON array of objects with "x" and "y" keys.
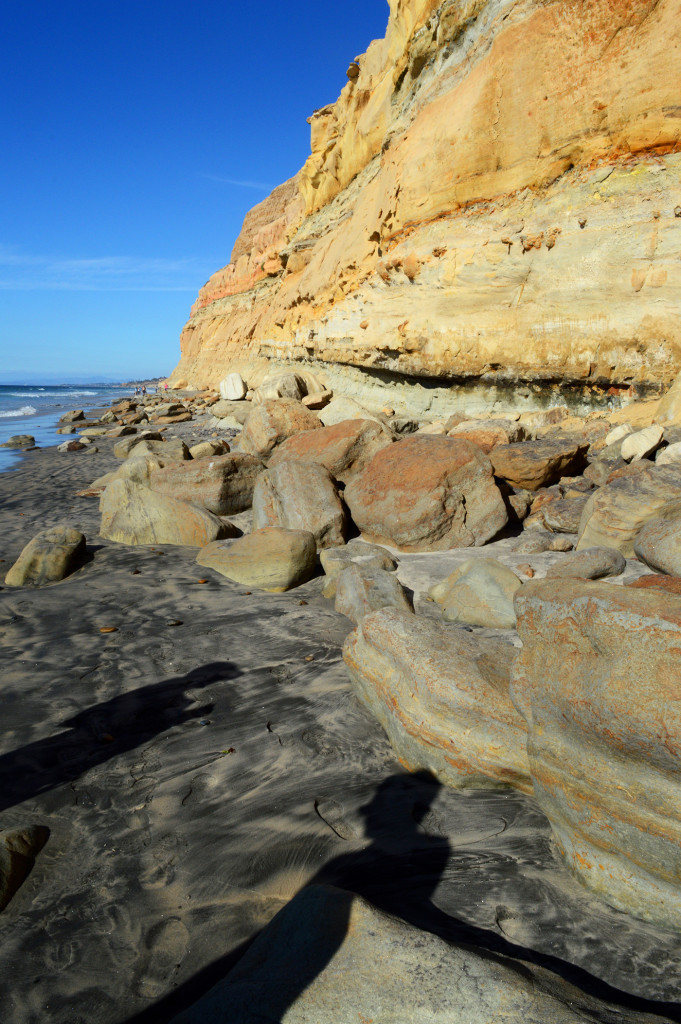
[
  {"x": 144, "y": 390},
  {"x": 165, "y": 386}
]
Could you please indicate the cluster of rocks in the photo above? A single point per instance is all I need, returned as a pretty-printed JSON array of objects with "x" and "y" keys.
[{"x": 562, "y": 686}]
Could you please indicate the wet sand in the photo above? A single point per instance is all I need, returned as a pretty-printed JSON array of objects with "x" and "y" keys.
[{"x": 200, "y": 764}]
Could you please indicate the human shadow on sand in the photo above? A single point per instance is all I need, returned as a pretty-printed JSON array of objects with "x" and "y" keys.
[
  {"x": 103, "y": 731},
  {"x": 398, "y": 872}
]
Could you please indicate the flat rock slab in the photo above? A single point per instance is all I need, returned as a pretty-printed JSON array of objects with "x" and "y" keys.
[
  {"x": 589, "y": 564},
  {"x": 19, "y": 441},
  {"x": 223, "y": 484},
  {"x": 331, "y": 957},
  {"x": 132, "y": 514},
  {"x": 442, "y": 697},
  {"x": 535, "y": 464},
  {"x": 597, "y": 683},
  {"x": 343, "y": 449},
  {"x": 51, "y": 556},
  {"x": 272, "y": 558},
  {"x": 427, "y": 494}
]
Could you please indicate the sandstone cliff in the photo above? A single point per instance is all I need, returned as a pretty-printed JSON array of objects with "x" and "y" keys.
[{"x": 495, "y": 195}]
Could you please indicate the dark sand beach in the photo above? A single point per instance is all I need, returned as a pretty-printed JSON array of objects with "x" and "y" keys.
[{"x": 200, "y": 764}]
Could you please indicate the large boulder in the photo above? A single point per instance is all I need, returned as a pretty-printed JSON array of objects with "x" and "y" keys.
[
  {"x": 137, "y": 468},
  {"x": 479, "y": 592},
  {"x": 589, "y": 564},
  {"x": 133, "y": 514},
  {"x": 272, "y": 559},
  {"x": 343, "y": 449},
  {"x": 272, "y": 422},
  {"x": 427, "y": 494},
  {"x": 535, "y": 464},
  {"x": 48, "y": 558},
  {"x": 238, "y": 411},
  {"x": 360, "y": 590},
  {"x": 615, "y": 513},
  {"x": 597, "y": 683},
  {"x": 300, "y": 496},
  {"x": 487, "y": 434},
  {"x": 331, "y": 957},
  {"x": 233, "y": 387},
  {"x": 343, "y": 408},
  {"x": 171, "y": 448},
  {"x": 442, "y": 697},
  {"x": 19, "y": 441},
  {"x": 284, "y": 385},
  {"x": 658, "y": 544},
  {"x": 222, "y": 484}
]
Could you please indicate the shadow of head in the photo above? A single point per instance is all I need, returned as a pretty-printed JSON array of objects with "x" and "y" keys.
[{"x": 399, "y": 805}]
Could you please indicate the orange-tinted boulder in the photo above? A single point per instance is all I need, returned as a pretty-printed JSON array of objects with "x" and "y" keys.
[
  {"x": 535, "y": 464},
  {"x": 269, "y": 424},
  {"x": 222, "y": 484},
  {"x": 343, "y": 449},
  {"x": 427, "y": 494}
]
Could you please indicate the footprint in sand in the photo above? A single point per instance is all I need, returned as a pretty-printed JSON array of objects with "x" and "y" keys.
[
  {"x": 166, "y": 944},
  {"x": 333, "y": 815}
]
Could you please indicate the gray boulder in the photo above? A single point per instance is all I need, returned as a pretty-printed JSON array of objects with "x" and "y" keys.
[
  {"x": 658, "y": 544},
  {"x": 52, "y": 555},
  {"x": 133, "y": 514},
  {"x": 300, "y": 496},
  {"x": 222, "y": 484},
  {"x": 589, "y": 564},
  {"x": 360, "y": 590},
  {"x": 272, "y": 559}
]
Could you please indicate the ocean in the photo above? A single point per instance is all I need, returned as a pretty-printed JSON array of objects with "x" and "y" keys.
[{"x": 35, "y": 409}]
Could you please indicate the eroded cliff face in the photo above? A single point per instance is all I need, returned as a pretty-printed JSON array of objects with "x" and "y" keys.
[{"x": 495, "y": 195}]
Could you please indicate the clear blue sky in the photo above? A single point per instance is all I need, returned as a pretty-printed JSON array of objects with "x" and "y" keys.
[{"x": 135, "y": 136}]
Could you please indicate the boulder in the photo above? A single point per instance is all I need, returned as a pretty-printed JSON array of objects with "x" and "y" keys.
[
  {"x": 272, "y": 422},
  {"x": 534, "y": 464},
  {"x": 300, "y": 496},
  {"x": 442, "y": 696},
  {"x": 589, "y": 564},
  {"x": 427, "y": 494},
  {"x": 355, "y": 552},
  {"x": 669, "y": 409},
  {"x": 222, "y": 484},
  {"x": 488, "y": 433},
  {"x": 73, "y": 446},
  {"x": 233, "y": 387},
  {"x": 74, "y": 415},
  {"x": 669, "y": 455},
  {"x": 538, "y": 419},
  {"x": 206, "y": 449},
  {"x": 343, "y": 408},
  {"x": 563, "y": 515},
  {"x": 641, "y": 444},
  {"x": 615, "y": 513},
  {"x": 124, "y": 430},
  {"x": 317, "y": 400},
  {"x": 285, "y": 385},
  {"x": 138, "y": 469},
  {"x": 343, "y": 449},
  {"x": 597, "y": 683},
  {"x": 123, "y": 448},
  {"x": 360, "y": 590},
  {"x": 237, "y": 411},
  {"x": 618, "y": 433},
  {"x": 18, "y": 851},
  {"x": 173, "y": 449},
  {"x": 658, "y": 544},
  {"x": 479, "y": 593},
  {"x": 332, "y": 957},
  {"x": 272, "y": 559},
  {"x": 133, "y": 514},
  {"x": 51, "y": 556},
  {"x": 19, "y": 441}
]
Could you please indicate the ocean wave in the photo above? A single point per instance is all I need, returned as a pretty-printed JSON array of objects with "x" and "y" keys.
[
  {"x": 50, "y": 394},
  {"x": 26, "y": 410}
]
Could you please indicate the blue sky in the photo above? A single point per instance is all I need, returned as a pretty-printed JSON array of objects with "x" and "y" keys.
[{"x": 136, "y": 135}]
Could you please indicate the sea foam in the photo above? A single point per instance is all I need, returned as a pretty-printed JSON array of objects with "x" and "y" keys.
[{"x": 26, "y": 410}]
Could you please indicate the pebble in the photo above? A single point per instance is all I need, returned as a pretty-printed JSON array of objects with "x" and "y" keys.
[{"x": 108, "y": 629}]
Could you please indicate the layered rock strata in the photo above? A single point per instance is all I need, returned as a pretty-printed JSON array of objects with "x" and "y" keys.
[{"x": 495, "y": 196}]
